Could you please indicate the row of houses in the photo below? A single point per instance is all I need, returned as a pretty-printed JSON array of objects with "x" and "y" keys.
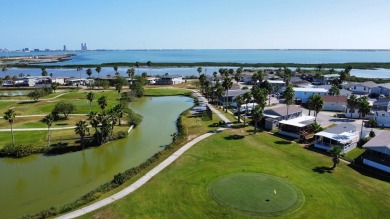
[
  {"x": 294, "y": 124},
  {"x": 36, "y": 81}
]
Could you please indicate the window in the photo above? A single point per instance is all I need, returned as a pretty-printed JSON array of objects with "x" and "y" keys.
[{"x": 354, "y": 87}]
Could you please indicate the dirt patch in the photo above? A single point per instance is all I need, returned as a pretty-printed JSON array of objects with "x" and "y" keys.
[
  {"x": 106, "y": 213},
  {"x": 190, "y": 137}
]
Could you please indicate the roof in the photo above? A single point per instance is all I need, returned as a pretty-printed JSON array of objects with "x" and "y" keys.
[
  {"x": 301, "y": 121},
  {"x": 171, "y": 76},
  {"x": 276, "y": 82},
  {"x": 382, "y": 102},
  {"x": 387, "y": 85},
  {"x": 331, "y": 75},
  {"x": 310, "y": 89},
  {"x": 235, "y": 93},
  {"x": 340, "y": 128},
  {"x": 380, "y": 143},
  {"x": 335, "y": 99},
  {"x": 368, "y": 84},
  {"x": 282, "y": 110}
]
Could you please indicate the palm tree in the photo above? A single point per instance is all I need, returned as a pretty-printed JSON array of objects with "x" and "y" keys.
[
  {"x": 102, "y": 101},
  {"x": 239, "y": 101},
  {"x": 94, "y": 121},
  {"x": 90, "y": 97},
  {"x": 48, "y": 120},
  {"x": 4, "y": 68},
  {"x": 335, "y": 151},
  {"x": 287, "y": 76},
  {"x": 10, "y": 116},
  {"x": 80, "y": 69},
  {"x": 364, "y": 109},
  {"x": 98, "y": 69},
  {"x": 149, "y": 63},
  {"x": 317, "y": 104},
  {"x": 352, "y": 103},
  {"x": 44, "y": 72},
  {"x": 130, "y": 72},
  {"x": 89, "y": 72},
  {"x": 116, "y": 69},
  {"x": 199, "y": 69},
  {"x": 267, "y": 87},
  {"x": 202, "y": 81},
  {"x": 137, "y": 64},
  {"x": 247, "y": 97},
  {"x": 334, "y": 90},
  {"x": 227, "y": 84},
  {"x": 82, "y": 130},
  {"x": 119, "y": 110},
  {"x": 257, "y": 115},
  {"x": 289, "y": 96}
]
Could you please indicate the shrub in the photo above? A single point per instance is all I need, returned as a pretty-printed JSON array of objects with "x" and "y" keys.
[
  {"x": 315, "y": 127},
  {"x": 133, "y": 118},
  {"x": 372, "y": 134},
  {"x": 372, "y": 123},
  {"x": 63, "y": 108},
  {"x": 18, "y": 151},
  {"x": 119, "y": 179},
  {"x": 122, "y": 134}
]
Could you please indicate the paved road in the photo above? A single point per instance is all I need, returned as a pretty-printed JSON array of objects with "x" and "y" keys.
[{"x": 126, "y": 191}]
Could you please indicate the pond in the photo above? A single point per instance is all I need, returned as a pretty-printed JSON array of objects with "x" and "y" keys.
[{"x": 38, "y": 182}]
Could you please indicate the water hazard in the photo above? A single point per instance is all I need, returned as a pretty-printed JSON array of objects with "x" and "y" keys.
[{"x": 39, "y": 182}]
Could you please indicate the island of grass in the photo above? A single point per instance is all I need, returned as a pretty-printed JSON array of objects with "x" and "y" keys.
[
  {"x": 63, "y": 138},
  {"x": 257, "y": 194}
]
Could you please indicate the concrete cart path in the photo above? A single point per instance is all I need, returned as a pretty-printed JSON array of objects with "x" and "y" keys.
[{"x": 134, "y": 186}]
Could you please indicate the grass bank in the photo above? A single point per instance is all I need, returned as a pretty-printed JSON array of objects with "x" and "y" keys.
[{"x": 180, "y": 191}]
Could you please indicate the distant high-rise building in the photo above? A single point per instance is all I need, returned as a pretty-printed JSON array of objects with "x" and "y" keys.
[
  {"x": 65, "y": 48},
  {"x": 84, "y": 47}
]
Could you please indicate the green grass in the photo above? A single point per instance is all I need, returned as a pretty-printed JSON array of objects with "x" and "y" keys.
[
  {"x": 353, "y": 154},
  {"x": 180, "y": 191},
  {"x": 166, "y": 91},
  {"x": 258, "y": 194}
]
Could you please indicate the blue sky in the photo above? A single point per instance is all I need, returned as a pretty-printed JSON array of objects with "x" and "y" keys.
[{"x": 195, "y": 24}]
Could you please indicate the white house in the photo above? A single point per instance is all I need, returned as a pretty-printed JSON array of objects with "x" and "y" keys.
[
  {"x": 231, "y": 97},
  {"x": 363, "y": 88},
  {"x": 344, "y": 134},
  {"x": 296, "y": 127},
  {"x": 277, "y": 85},
  {"x": 335, "y": 103},
  {"x": 305, "y": 92},
  {"x": 170, "y": 79},
  {"x": 151, "y": 80},
  {"x": 381, "y": 89},
  {"x": 378, "y": 152}
]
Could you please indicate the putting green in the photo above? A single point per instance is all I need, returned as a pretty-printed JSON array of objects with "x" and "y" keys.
[{"x": 256, "y": 193}]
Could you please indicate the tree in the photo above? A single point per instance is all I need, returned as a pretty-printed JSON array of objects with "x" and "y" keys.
[
  {"x": 98, "y": 69},
  {"x": 317, "y": 103},
  {"x": 289, "y": 96},
  {"x": 364, "y": 109},
  {"x": 64, "y": 108},
  {"x": 335, "y": 151},
  {"x": 48, "y": 120},
  {"x": 199, "y": 69},
  {"x": 102, "y": 101},
  {"x": 239, "y": 100},
  {"x": 89, "y": 72},
  {"x": 259, "y": 95},
  {"x": 130, "y": 72},
  {"x": 247, "y": 97},
  {"x": 35, "y": 94},
  {"x": 267, "y": 87},
  {"x": 137, "y": 64},
  {"x": 119, "y": 110},
  {"x": 334, "y": 90},
  {"x": 10, "y": 116},
  {"x": 227, "y": 84},
  {"x": 80, "y": 69},
  {"x": 287, "y": 76},
  {"x": 174, "y": 137},
  {"x": 44, "y": 72},
  {"x": 352, "y": 103},
  {"x": 149, "y": 64},
  {"x": 54, "y": 86},
  {"x": 257, "y": 115},
  {"x": 90, "y": 97},
  {"x": 116, "y": 69},
  {"x": 202, "y": 81},
  {"x": 319, "y": 67},
  {"x": 82, "y": 130},
  {"x": 4, "y": 68}
]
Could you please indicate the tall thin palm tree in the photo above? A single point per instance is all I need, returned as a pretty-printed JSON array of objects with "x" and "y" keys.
[
  {"x": 317, "y": 104},
  {"x": 247, "y": 97},
  {"x": 239, "y": 100},
  {"x": 227, "y": 84},
  {"x": 48, "y": 120},
  {"x": 116, "y": 69},
  {"x": 199, "y": 69},
  {"x": 90, "y": 97},
  {"x": 257, "y": 115},
  {"x": 10, "y": 116},
  {"x": 364, "y": 109},
  {"x": 79, "y": 69},
  {"x": 289, "y": 96},
  {"x": 98, "y": 69},
  {"x": 149, "y": 64},
  {"x": 137, "y": 64},
  {"x": 267, "y": 87},
  {"x": 82, "y": 130},
  {"x": 352, "y": 103}
]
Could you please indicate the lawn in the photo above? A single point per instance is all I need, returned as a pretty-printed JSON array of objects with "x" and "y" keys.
[
  {"x": 167, "y": 91},
  {"x": 181, "y": 190}
]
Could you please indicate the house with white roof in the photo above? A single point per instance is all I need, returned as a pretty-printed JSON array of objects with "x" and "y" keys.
[
  {"x": 304, "y": 93},
  {"x": 278, "y": 86},
  {"x": 378, "y": 152},
  {"x": 170, "y": 79},
  {"x": 383, "y": 89},
  {"x": 344, "y": 135},
  {"x": 297, "y": 127}
]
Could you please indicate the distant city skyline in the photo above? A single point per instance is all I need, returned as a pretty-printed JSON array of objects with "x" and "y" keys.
[{"x": 201, "y": 24}]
